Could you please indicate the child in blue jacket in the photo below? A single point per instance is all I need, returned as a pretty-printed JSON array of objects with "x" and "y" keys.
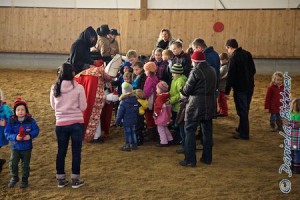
[
  {"x": 5, "y": 113},
  {"x": 20, "y": 130},
  {"x": 128, "y": 112}
]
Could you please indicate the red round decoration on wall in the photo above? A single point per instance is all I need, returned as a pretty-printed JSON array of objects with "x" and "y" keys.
[{"x": 218, "y": 27}]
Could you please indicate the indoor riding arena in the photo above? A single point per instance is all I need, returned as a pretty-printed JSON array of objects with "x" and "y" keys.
[{"x": 37, "y": 37}]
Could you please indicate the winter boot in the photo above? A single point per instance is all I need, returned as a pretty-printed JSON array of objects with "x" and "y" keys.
[
  {"x": 272, "y": 125},
  {"x": 126, "y": 147},
  {"x": 2, "y": 162},
  {"x": 279, "y": 125},
  {"x": 24, "y": 183},
  {"x": 13, "y": 181}
]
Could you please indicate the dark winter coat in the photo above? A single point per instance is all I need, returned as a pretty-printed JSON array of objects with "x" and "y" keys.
[
  {"x": 128, "y": 110},
  {"x": 12, "y": 130},
  {"x": 241, "y": 71},
  {"x": 80, "y": 56},
  {"x": 185, "y": 60},
  {"x": 213, "y": 59},
  {"x": 163, "y": 44},
  {"x": 200, "y": 89}
]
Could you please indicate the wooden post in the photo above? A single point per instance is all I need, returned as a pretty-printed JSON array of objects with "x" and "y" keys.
[{"x": 143, "y": 10}]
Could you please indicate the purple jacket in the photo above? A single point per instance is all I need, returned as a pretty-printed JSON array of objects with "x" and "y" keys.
[{"x": 150, "y": 88}]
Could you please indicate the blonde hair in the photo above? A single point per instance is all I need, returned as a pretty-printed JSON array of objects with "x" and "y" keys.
[
  {"x": 295, "y": 106},
  {"x": 158, "y": 50},
  {"x": 139, "y": 94},
  {"x": 131, "y": 53},
  {"x": 276, "y": 74},
  {"x": 128, "y": 75},
  {"x": 168, "y": 52},
  {"x": 161, "y": 33}
]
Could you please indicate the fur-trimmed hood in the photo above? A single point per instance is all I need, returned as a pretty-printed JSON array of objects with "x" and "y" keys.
[{"x": 129, "y": 94}]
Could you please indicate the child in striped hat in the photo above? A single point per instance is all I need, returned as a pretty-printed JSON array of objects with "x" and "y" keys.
[{"x": 179, "y": 80}]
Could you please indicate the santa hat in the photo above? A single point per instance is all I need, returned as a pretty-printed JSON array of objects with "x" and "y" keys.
[
  {"x": 150, "y": 66},
  {"x": 198, "y": 56},
  {"x": 19, "y": 101},
  {"x": 163, "y": 86}
]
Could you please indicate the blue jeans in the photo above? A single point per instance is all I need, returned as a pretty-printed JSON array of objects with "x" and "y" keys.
[
  {"x": 242, "y": 102},
  {"x": 296, "y": 158},
  {"x": 275, "y": 117},
  {"x": 130, "y": 136},
  {"x": 190, "y": 128},
  {"x": 63, "y": 134},
  {"x": 182, "y": 133}
]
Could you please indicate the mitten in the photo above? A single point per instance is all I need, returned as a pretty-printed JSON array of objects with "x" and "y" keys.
[{"x": 22, "y": 132}]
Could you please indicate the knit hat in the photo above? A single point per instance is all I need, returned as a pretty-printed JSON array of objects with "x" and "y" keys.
[
  {"x": 198, "y": 56},
  {"x": 163, "y": 86},
  {"x": 126, "y": 88},
  {"x": 19, "y": 101},
  {"x": 128, "y": 64},
  {"x": 177, "y": 69},
  {"x": 150, "y": 66}
]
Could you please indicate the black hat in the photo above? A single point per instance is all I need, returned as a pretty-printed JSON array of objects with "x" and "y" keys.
[
  {"x": 114, "y": 32},
  {"x": 103, "y": 30}
]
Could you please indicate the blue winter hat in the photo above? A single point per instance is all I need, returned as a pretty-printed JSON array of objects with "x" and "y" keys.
[{"x": 126, "y": 64}]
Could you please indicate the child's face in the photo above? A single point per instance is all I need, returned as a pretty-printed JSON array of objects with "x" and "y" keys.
[
  {"x": 176, "y": 50},
  {"x": 127, "y": 79},
  {"x": 137, "y": 70},
  {"x": 133, "y": 60},
  {"x": 21, "y": 111},
  {"x": 165, "y": 36},
  {"x": 165, "y": 57},
  {"x": 224, "y": 61},
  {"x": 147, "y": 73},
  {"x": 126, "y": 69},
  {"x": 158, "y": 91},
  {"x": 175, "y": 75},
  {"x": 158, "y": 56},
  {"x": 278, "y": 81}
]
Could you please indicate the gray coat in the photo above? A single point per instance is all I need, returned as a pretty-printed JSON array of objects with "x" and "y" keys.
[
  {"x": 200, "y": 89},
  {"x": 223, "y": 77}
]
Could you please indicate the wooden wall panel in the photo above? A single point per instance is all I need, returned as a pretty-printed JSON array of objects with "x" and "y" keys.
[{"x": 265, "y": 33}]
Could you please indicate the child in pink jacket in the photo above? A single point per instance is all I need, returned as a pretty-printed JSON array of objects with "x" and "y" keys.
[{"x": 162, "y": 113}]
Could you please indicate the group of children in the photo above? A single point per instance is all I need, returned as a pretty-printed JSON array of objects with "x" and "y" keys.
[{"x": 149, "y": 92}]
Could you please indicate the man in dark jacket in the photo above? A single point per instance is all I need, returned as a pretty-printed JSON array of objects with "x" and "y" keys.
[
  {"x": 241, "y": 79},
  {"x": 80, "y": 56},
  {"x": 200, "y": 89}
]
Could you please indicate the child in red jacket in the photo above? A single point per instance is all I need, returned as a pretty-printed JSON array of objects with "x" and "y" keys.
[
  {"x": 162, "y": 113},
  {"x": 272, "y": 101}
]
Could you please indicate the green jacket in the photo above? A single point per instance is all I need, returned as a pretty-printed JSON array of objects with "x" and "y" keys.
[{"x": 176, "y": 85}]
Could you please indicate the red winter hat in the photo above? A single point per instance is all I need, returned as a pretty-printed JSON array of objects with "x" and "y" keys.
[
  {"x": 19, "y": 101},
  {"x": 198, "y": 56},
  {"x": 163, "y": 86},
  {"x": 150, "y": 66}
]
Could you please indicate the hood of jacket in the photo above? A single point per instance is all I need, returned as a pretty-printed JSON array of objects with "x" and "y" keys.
[
  {"x": 67, "y": 86},
  {"x": 126, "y": 96},
  {"x": 86, "y": 36}
]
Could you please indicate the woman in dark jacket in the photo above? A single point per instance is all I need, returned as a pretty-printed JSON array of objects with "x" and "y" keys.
[
  {"x": 80, "y": 56},
  {"x": 201, "y": 108}
]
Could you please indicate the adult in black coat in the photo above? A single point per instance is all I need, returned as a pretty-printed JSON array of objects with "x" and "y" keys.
[
  {"x": 200, "y": 109},
  {"x": 80, "y": 56},
  {"x": 241, "y": 71}
]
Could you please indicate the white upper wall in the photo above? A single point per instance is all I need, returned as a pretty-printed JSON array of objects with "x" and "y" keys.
[{"x": 155, "y": 4}]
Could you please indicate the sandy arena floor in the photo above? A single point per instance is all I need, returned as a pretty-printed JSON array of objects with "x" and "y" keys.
[{"x": 240, "y": 169}]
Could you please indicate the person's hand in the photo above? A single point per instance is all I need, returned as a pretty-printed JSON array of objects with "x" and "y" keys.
[
  {"x": 27, "y": 137},
  {"x": 19, "y": 138},
  {"x": 267, "y": 110}
]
